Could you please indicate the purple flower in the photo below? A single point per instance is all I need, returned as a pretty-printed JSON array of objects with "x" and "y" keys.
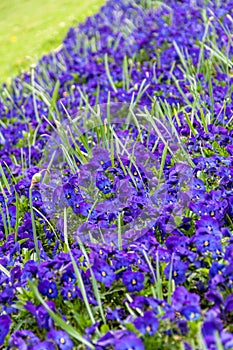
[
  {"x": 133, "y": 281},
  {"x": 191, "y": 312},
  {"x": 5, "y": 323},
  {"x": 69, "y": 193},
  {"x": 103, "y": 272},
  {"x": 212, "y": 323},
  {"x": 147, "y": 324},
  {"x": 48, "y": 288},
  {"x": 181, "y": 298},
  {"x": 128, "y": 343},
  {"x": 210, "y": 224},
  {"x": 61, "y": 339},
  {"x": 179, "y": 269},
  {"x": 41, "y": 314},
  {"x": 44, "y": 345},
  {"x": 23, "y": 339},
  {"x": 103, "y": 183}
]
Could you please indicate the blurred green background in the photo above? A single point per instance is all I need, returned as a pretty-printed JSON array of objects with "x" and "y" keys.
[{"x": 31, "y": 28}]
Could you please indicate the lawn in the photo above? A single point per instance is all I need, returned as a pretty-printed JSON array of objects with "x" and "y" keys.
[{"x": 31, "y": 28}]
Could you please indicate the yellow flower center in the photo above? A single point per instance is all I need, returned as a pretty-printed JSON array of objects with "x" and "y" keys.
[
  {"x": 104, "y": 274},
  {"x": 134, "y": 282}
]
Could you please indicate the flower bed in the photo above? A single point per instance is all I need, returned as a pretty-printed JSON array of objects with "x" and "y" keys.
[{"x": 116, "y": 184}]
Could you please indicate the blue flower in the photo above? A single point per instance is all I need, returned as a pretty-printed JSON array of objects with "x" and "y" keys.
[
  {"x": 179, "y": 269},
  {"x": 61, "y": 339},
  {"x": 23, "y": 339},
  {"x": 44, "y": 345},
  {"x": 5, "y": 323},
  {"x": 103, "y": 183},
  {"x": 130, "y": 342},
  {"x": 191, "y": 312},
  {"x": 133, "y": 281},
  {"x": 48, "y": 288},
  {"x": 69, "y": 193},
  {"x": 147, "y": 324},
  {"x": 103, "y": 272}
]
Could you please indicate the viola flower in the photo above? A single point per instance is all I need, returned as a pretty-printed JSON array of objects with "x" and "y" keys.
[
  {"x": 70, "y": 292},
  {"x": 23, "y": 339},
  {"x": 181, "y": 298},
  {"x": 117, "y": 314},
  {"x": 48, "y": 288},
  {"x": 133, "y": 281},
  {"x": 179, "y": 269},
  {"x": 210, "y": 224},
  {"x": 128, "y": 343},
  {"x": 103, "y": 183},
  {"x": 121, "y": 261},
  {"x": 5, "y": 323},
  {"x": 207, "y": 243},
  {"x": 191, "y": 312},
  {"x": 75, "y": 203},
  {"x": 69, "y": 193},
  {"x": 48, "y": 208},
  {"x": 103, "y": 272},
  {"x": 69, "y": 276},
  {"x": 61, "y": 339},
  {"x": 44, "y": 345},
  {"x": 147, "y": 324},
  {"x": 100, "y": 158},
  {"x": 36, "y": 198},
  {"x": 227, "y": 272},
  {"x": 212, "y": 322}
]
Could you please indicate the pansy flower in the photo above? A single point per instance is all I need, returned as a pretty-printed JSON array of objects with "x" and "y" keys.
[
  {"x": 41, "y": 315},
  {"x": 23, "y": 339},
  {"x": 44, "y": 345},
  {"x": 210, "y": 224},
  {"x": 128, "y": 343},
  {"x": 147, "y": 324},
  {"x": 103, "y": 272},
  {"x": 181, "y": 298},
  {"x": 134, "y": 281},
  {"x": 5, "y": 323},
  {"x": 61, "y": 339},
  {"x": 191, "y": 312},
  {"x": 48, "y": 288},
  {"x": 179, "y": 269},
  {"x": 69, "y": 193},
  {"x": 103, "y": 183},
  {"x": 207, "y": 243}
]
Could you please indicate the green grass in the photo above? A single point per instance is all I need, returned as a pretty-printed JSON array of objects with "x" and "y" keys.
[{"x": 31, "y": 28}]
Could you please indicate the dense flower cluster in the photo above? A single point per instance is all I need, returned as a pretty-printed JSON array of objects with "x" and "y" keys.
[{"x": 149, "y": 263}]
